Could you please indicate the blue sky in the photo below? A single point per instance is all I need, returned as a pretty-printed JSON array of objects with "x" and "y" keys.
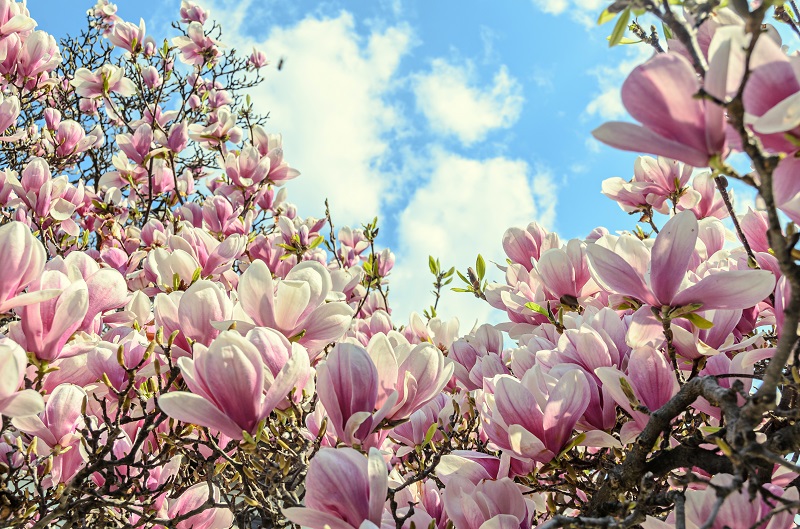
[{"x": 449, "y": 120}]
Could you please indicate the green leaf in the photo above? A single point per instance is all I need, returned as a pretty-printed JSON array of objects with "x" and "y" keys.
[
  {"x": 628, "y": 391},
  {"x": 619, "y": 28},
  {"x": 464, "y": 279},
  {"x": 699, "y": 321},
  {"x": 605, "y": 16},
  {"x": 461, "y": 290},
  {"x": 316, "y": 242},
  {"x": 432, "y": 265},
  {"x": 480, "y": 267},
  {"x": 537, "y": 308},
  {"x": 666, "y": 31},
  {"x": 430, "y": 433},
  {"x": 450, "y": 272}
]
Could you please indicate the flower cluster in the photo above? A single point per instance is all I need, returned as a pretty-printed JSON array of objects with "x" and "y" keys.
[{"x": 180, "y": 348}]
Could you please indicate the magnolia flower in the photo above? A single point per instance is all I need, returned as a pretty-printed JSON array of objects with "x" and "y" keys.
[
  {"x": 100, "y": 83},
  {"x": 231, "y": 390},
  {"x": 192, "y": 499},
  {"x": 344, "y": 490},
  {"x": 666, "y": 284},
  {"x": 531, "y": 424},
  {"x": 58, "y": 426},
  {"x": 489, "y": 504},
  {"x": 347, "y": 385},
  {"x": 652, "y": 380},
  {"x": 128, "y": 36},
  {"x": 295, "y": 306},
  {"x": 414, "y": 375}
]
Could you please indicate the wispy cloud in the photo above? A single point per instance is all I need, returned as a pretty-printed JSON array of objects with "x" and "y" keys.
[{"x": 455, "y": 106}]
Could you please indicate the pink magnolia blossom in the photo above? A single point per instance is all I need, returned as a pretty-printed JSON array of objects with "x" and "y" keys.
[
  {"x": 660, "y": 94},
  {"x": 348, "y": 388},
  {"x": 522, "y": 245},
  {"x": 665, "y": 284},
  {"x": 344, "y": 490},
  {"x": 196, "y": 47},
  {"x": 15, "y": 403},
  {"x": 193, "y": 498},
  {"x": 755, "y": 226},
  {"x": 128, "y": 36},
  {"x": 652, "y": 380},
  {"x": 534, "y": 425},
  {"x": 257, "y": 59},
  {"x": 737, "y": 510},
  {"x": 191, "y": 12},
  {"x": 489, "y": 504},
  {"x": 46, "y": 326},
  {"x": 107, "y": 80},
  {"x": 193, "y": 313},
  {"x": 58, "y": 426},
  {"x": 655, "y": 181},
  {"x": 413, "y": 375},
  {"x": 477, "y": 356},
  {"x": 230, "y": 388},
  {"x": 271, "y": 146},
  {"x": 295, "y": 306}
]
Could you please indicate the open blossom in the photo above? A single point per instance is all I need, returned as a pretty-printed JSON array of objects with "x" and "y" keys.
[
  {"x": 230, "y": 390},
  {"x": 531, "y": 425},
  {"x": 296, "y": 305},
  {"x": 348, "y": 388},
  {"x": 257, "y": 59},
  {"x": 193, "y": 498},
  {"x": 128, "y": 36},
  {"x": 415, "y": 373},
  {"x": 654, "y": 182},
  {"x": 489, "y": 504},
  {"x": 344, "y": 490},
  {"x": 102, "y": 82},
  {"x": 191, "y": 12},
  {"x": 670, "y": 259},
  {"x": 196, "y": 47},
  {"x": 59, "y": 426}
]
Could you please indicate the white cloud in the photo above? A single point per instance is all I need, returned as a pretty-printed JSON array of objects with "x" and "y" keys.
[
  {"x": 461, "y": 211},
  {"x": 454, "y": 106},
  {"x": 584, "y": 12},
  {"x": 552, "y": 7},
  {"x": 330, "y": 103},
  {"x": 607, "y": 104}
]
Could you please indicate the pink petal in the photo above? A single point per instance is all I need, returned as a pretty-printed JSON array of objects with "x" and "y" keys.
[
  {"x": 615, "y": 275},
  {"x": 671, "y": 253},
  {"x": 194, "y": 409},
  {"x": 314, "y": 519},
  {"x": 731, "y": 289},
  {"x": 630, "y": 137},
  {"x": 566, "y": 403}
]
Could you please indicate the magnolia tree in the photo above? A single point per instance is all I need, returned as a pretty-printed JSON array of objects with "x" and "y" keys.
[{"x": 180, "y": 348}]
